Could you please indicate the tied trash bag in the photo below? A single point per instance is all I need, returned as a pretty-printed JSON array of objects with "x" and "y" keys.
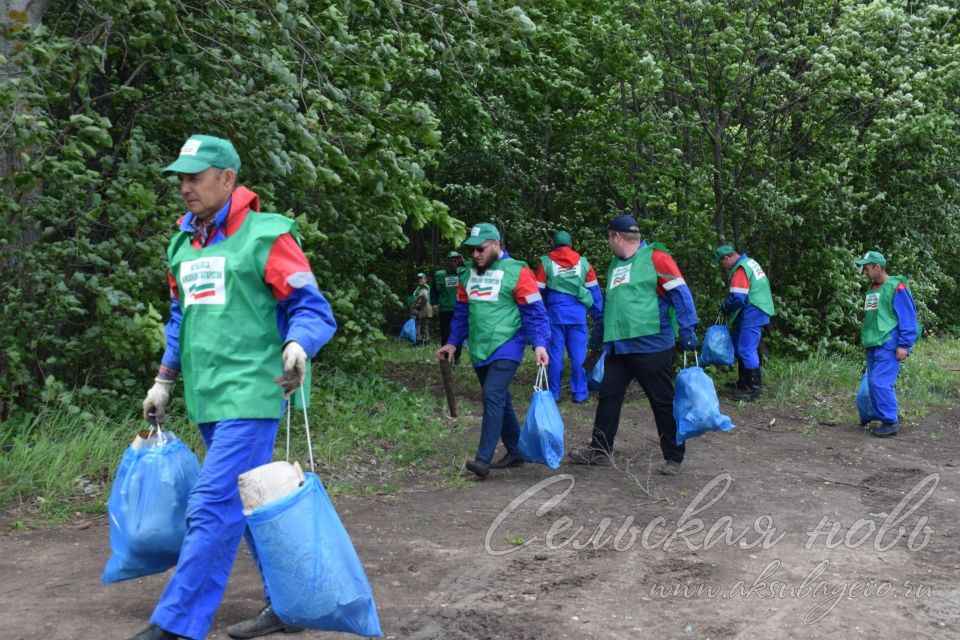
[
  {"x": 147, "y": 507},
  {"x": 409, "y": 331},
  {"x": 596, "y": 374},
  {"x": 717, "y": 347},
  {"x": 865, "y": 406},
  {"x": 696, "y": 407},
  {"x": 312, "y": 571},
  {"x": 541, "y": 436}
]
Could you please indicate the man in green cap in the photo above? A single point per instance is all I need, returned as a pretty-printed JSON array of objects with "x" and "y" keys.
[
  {"x": 245, "y": 317},
  {"x": 421, "y": 309},
  {"x": 569, "y": 287},
  {"x": 889, "y": 331},
  {"x": 443, "y": 294},
  {"x": 500, "y": 308},
  {"x": 748, "y": 307}
]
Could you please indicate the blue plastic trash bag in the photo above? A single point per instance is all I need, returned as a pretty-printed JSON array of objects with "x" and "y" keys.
[
  {"x": 541, "y": 436},
  {"x": 147, "y": 507},
  {"x": 717, "y": 347},
  {"x": 696, "y": 407},
  {"x": 596, "y": 374},
  {"x": 409, "y": 331},
  {"x": 312, "y": 571},
  {"x": 864, "y": 403}
]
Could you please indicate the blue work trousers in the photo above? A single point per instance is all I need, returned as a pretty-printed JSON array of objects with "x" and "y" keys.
[
  {"x": 574, "y": 338},
  {"x": 882, "y": 371},
  {"x": 215, "y": 522},
  {"x": 499, "y": 418},
  {"x": 746, "y": 341}
]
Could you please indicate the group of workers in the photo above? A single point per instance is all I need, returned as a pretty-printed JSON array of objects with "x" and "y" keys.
[
  {"x": 496, "y": 308},
  {"x": 246, "y": 315}
]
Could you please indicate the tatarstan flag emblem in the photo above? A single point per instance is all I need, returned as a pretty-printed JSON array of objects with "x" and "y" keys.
[
  {"x": 476, "y": 291},
  {"x": 200, "y": 291}
]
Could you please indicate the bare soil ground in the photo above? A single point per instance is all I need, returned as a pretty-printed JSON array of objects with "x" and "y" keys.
[{"x": 729, "y": 549}]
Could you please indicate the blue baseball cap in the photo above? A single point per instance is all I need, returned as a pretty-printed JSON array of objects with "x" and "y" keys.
[{"x": 624, "y": 224}]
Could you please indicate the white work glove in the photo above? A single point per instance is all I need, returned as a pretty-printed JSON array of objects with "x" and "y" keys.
[
  {"x": 157, "y": 398},
  {"x": 294, "y": 368}
]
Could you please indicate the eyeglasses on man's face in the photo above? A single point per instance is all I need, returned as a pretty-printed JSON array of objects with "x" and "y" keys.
[{"x": 480, "y": 248}]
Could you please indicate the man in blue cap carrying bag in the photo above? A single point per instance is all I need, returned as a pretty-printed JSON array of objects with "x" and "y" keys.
[
  {"x": 889, "y": 331},
  {"x": 643, "y": 284},
  {"x": 246, "y": 315}
]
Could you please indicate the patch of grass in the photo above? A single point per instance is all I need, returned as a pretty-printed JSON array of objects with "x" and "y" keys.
[
  {"x": 824, "y": 386},
  {"x": 60, "y": 460},
  {"x": 516, "y": 541}
]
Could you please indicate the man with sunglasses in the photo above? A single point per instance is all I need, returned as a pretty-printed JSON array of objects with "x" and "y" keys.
[{"x": 499, "y": 308}]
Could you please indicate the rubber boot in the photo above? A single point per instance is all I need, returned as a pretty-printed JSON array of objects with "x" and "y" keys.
[
  {"x": 739, "y": 384},
  {"x": 752, "y": 386}
]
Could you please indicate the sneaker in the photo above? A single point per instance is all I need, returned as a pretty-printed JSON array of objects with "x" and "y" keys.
[
  {"x": 885, "y": 430},
  {"x": 508, "y": 461},
  {"x": 589, "y": 455},
  {"x": 482, "y": 469},
  {"x": 670, "y": 468}
]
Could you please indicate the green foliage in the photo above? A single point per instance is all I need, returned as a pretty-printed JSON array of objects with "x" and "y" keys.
[
  {"x": 802, "y": 133},
  {"x": 111, "y": 90}
]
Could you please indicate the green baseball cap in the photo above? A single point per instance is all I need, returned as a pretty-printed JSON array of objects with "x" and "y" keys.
[
  {"x": 480, "y": 233},
  {"x": 421, "y": 275},
  {"x": 722, "y": 252},
  {"x": 453, "y": 255},
  {"x": 562, "y": 239},
  {"x": 874, "y": 257},
  {"x": 199, "y": 153}
]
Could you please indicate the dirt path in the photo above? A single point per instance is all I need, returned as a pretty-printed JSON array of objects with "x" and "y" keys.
[{"x": 482, "y": 562}]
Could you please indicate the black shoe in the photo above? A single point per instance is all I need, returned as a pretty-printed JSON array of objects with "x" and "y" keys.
[
  {"x": 584, "y": 401},
  {"x": 153, "y": 632},
  {"x": 589, "y": 455},
  {"x": 482, "y": 469},
  {"x": 670, "y": 468},
  {"x": 885, "y": 430},
  {"x": 264, "y": 623},
  {"x": 508, "y": 461}
]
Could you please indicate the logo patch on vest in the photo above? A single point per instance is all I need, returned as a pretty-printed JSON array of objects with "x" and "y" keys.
[
  {"x": 566, "y": 272},
  {"x": 872, "y": 302},
  {"x": 620, "y": 275},
  {"x": 203, "y": 281},
  {"x": 486, "y": 287},
  {"x": 756, "y": 268},
  {"x": 451, "y": 282}
]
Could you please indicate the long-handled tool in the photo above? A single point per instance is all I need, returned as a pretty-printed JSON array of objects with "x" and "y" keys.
[{"x": 447, "y": 375}]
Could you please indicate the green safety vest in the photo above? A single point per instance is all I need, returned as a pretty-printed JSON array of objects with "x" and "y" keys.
[
  {"x": 879, "y": 317},
  {"x": 230, "y": 345},
  {"x": 759, "y": 294},
  {"x": 569, "y": 280},
  {"x": 494, "y": 316},
  {"x": 446, "y": 284},
  {"x": 631, "y": 308}
]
